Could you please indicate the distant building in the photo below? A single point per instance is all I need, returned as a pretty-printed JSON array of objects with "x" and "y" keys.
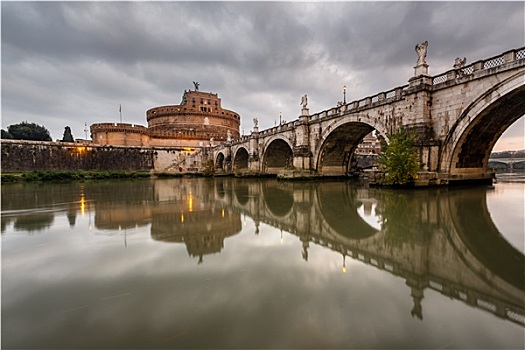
[
  {"x": 197, "y": 122},
  {"x": 369, "y": 145}
]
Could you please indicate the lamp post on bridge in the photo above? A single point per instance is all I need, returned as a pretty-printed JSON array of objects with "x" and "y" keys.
[{"x": 344, "y": 94}]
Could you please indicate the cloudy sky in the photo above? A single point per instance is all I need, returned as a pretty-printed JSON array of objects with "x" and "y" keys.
[{"x": 74, "y": 63}]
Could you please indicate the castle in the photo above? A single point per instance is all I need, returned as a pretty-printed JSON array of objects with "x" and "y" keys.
[{"x": 199, "y": 121}]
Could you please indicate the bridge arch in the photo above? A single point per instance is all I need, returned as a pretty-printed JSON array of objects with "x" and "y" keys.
[
  {"x": 339, "y": 141},
  {"x": 240, "y": 158},
  {"x": 219, "y": 161},
  {"x": 277, "y": 154},
  {"x": 467, "y": 147}
]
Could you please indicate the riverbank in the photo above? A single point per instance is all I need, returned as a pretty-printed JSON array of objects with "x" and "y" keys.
[{"x": 76, "y": 175}]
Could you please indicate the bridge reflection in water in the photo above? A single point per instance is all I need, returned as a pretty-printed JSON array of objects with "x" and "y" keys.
[
  {"x": 438, "y": 239},
  {"x": 442, "y": 239}
]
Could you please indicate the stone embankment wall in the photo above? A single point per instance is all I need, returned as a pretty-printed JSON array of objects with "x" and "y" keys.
[
  {"x": 33, "y": 155},
  {"x": 19, "y": 155}
]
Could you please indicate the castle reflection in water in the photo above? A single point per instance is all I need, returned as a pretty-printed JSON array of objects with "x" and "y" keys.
[{"x": 442, "y": 239}]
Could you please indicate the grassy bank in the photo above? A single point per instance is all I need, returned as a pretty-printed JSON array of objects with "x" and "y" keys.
[{"x": 66, "y": 175}]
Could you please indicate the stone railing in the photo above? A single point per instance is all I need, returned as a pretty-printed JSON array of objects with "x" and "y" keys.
[
  {"x": 496, "y": 61},
  {"x": 279, "y": 128},
  {"x": 367, "y": 102}
]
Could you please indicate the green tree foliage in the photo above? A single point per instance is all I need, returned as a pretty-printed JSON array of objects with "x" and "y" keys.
[
  {"x": 401, "y": 217},
  {"x": 68, "y": 136},
  {"x": 29, "y": 131},
  {"x": 6, "y": 135},
  {"x": 400, "y": 159}
]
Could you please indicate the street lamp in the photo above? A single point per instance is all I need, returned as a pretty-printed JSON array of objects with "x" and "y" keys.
[{"x": 344, "y": 94}]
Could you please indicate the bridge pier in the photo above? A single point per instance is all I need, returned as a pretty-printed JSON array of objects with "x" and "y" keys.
[{"x": 302, "y": 158}]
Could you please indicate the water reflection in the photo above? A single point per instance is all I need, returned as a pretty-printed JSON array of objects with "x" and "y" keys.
[
  {"x": 437, "y": 240},
  {"x": 191, "y": 216}
]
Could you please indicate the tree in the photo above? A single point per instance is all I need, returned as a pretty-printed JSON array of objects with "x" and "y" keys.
[
  {"x": 6, "y": 135},
  {"x": 400, "y": 159},
  {"x": 68, "y": 136},
  {"x": 29, "y": 131}
]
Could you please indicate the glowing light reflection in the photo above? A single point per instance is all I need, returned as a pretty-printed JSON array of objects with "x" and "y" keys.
[
  {"x": 82, "y": 204},
  {"x": 190, "y": 202}
]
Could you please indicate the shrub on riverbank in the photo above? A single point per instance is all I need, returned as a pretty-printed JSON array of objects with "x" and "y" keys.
[
  {"x": 400, "y": 159},
  {"x": 66, "y": 175}
]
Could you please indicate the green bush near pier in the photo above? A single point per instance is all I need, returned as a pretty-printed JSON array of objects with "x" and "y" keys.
[{"x": 400, "y": 159}]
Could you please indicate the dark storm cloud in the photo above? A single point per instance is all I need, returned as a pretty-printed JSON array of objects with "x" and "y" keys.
[{"x": 70, "y": 63}]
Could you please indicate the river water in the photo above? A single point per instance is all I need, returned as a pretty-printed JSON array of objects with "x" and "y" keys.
[{"x": 259, "y": 263}]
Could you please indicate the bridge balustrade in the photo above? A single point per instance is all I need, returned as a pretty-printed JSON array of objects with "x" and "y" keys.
[
  {"x": 489, "y": 63},
  {"x": 520, "y": 54}
]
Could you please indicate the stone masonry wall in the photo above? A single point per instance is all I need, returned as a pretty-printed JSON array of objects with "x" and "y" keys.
[{"x": 20, "y": 155}]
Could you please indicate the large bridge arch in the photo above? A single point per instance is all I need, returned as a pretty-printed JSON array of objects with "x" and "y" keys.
[
  {"x": 467, "y": 147},
  {"x": 277, "y": 154},
  {"x": 339, "y": 141},
  {"x": 240, "y": 158}
]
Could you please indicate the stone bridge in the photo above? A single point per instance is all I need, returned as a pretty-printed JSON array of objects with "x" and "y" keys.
[
  {"x": 507, "y": 164},
  {"x": 458, "y": 116}
]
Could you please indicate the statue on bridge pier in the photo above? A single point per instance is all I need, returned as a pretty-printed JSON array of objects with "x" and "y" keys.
[
  {"x": 458, "y": 64},
  {"x": 304, "y": 104},
  {"x": 304, "y": 101},
  {"x": 421, "y": 67},
  {"x": 421, "y": 50}
]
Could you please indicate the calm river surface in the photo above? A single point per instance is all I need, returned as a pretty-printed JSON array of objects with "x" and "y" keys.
[{"x": 258, "y": 263}]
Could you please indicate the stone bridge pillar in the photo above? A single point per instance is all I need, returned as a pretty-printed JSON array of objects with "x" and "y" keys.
[
  {"x": 302, "y": 156},
  {"x": 253, "y": 160},
  {"x": 228, "y": 161},
  {"x": 419, "y": 119}
]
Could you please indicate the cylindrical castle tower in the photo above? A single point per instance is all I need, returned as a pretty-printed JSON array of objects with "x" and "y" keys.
[
  {"x": 122, "y": 134},
  {"x": 199, "y": 118}
]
